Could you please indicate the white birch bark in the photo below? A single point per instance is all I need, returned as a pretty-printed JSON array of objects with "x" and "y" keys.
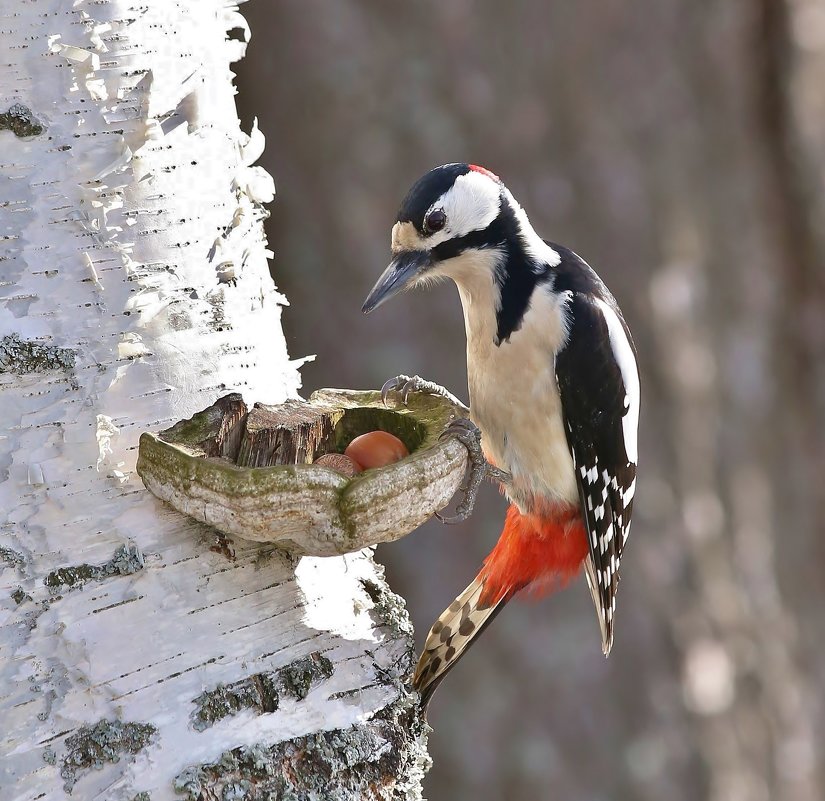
[{"x": 137, "y": 660}]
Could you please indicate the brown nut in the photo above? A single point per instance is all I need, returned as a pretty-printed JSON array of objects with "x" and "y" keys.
[
  {"x": 340, "y": 463},
  {"x": 376, "y": 449}
]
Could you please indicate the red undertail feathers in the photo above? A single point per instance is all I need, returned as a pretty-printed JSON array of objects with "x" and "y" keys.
[
  {"x": 543, "y": 550},
  {"x": 540, "y": 551}
]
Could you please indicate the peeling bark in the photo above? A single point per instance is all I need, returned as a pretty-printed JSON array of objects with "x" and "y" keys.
[{"x": 134, "y": 291}]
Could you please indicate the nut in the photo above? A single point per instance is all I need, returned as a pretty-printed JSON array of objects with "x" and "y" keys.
[{"x": 340, "y": 463}]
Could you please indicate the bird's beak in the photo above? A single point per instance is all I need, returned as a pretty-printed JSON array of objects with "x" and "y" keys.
[{"x": 403, "y": 270}]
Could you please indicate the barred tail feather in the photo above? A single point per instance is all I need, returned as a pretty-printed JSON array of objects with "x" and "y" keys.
[
  {"x": 452, "y": 634},
  {"x": 541, "y": 550}
]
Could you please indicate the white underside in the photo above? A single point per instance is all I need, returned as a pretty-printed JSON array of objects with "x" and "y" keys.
[{"x": 514, "y": 395}]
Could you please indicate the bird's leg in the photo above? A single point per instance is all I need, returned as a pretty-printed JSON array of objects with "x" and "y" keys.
[
  {"x": 406, "y": 384},
  {"x": 469, "y": 435},
  {"x": 464, "y": 430}
]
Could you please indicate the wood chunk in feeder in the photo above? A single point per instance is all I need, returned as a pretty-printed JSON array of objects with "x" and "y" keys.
[
  {"x": 291, "y": 433},
  {"x": 215, "y": 432}
]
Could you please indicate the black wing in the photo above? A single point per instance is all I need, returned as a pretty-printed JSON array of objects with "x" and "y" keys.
[{"x": 599, "y": 387}]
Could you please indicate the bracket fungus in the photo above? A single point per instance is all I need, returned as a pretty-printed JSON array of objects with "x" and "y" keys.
[{"x": 249, "y": 473}]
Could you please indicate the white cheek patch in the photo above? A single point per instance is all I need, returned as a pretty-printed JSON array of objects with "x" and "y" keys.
[{"x": 470, "y": 204}]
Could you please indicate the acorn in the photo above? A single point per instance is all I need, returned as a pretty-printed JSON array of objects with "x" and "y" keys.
[{"x": 340, "y": 463}]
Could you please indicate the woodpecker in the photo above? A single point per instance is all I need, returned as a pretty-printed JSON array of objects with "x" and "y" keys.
[{"x": 554, "y": 392}]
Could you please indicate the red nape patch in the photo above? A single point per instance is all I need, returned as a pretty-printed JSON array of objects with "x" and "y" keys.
[
  {"x": 542, "y": 551},
  {"x": 484, "y": 171}
]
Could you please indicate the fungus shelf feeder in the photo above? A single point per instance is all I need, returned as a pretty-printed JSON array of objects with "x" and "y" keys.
[{"x": 249, "y": 473}]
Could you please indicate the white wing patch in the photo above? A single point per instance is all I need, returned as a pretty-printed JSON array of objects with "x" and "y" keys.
[
  {"x": 623, "y": 354},
  {"x": 603, "y": 438}
]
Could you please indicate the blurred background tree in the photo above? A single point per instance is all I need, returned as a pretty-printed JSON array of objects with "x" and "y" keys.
[{"x": 679, "y": 149}]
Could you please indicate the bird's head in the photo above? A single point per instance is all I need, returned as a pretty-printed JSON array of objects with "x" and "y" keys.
[{"x": 453, "y": 212}]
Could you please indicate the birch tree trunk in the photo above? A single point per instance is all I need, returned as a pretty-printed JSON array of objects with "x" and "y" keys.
[{"x": 140, "y": 656}]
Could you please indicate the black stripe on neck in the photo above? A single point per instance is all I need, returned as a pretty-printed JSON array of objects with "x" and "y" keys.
[
  {"x": 516, "y": 276},
  {"x": 517, "y": 280}
]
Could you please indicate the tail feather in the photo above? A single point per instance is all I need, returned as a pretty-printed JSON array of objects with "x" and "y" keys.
[
  {"x": 452, "y": 634},
  {"x": 605, "y": 623},
  {"x": 542, "y": 551}
]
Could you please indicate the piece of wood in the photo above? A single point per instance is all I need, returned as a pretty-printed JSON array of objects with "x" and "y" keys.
[
  {"x": 292, "y": 433},
  {"x": 214, "y": 432}
]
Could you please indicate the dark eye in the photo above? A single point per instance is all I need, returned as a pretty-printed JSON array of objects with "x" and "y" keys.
[{"x": 435, "y": 221}]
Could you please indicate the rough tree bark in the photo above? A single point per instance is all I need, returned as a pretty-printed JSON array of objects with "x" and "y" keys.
[{"x": 140, "y": 656}]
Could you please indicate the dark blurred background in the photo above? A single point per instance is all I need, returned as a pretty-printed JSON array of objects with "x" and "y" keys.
[{"x": 678, "y": 147}]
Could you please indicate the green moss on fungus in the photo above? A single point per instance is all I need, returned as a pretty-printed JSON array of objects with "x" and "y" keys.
[
  {"x": 360, "y": 419},
  {"x": 384, "y": 758},
  {"x": 202, "y": 432},
  {"x": 20, "y": 120},
  {"x": 106, "y": 741}
]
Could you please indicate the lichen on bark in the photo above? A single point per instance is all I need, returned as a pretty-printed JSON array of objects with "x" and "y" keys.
[
  {"x": 23, "y": 356},
  {"x": 382, "y": 759},
  {"x": 299, "y": 676},
  {"x": 92, "y": 746},
  {"x": 127, "y": 559},
  {"x": 390, "y": 609},
  {"x": 262, "y": 691},
  {"x": 20, "y": 595},
  {"x": 20, "y": 120},
  {"x": 11, "y": 558}
]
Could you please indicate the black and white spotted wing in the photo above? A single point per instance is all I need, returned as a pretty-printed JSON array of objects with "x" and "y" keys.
[{"x": 599, "y": 387}]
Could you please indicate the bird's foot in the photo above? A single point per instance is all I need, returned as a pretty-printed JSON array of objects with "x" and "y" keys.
[
  {"x": 407, "y": 384},
  {"x": 469, "y": 435}
]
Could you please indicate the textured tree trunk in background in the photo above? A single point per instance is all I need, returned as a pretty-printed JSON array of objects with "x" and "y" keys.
[
  {"x": 141, "y": 657},
  {"x": 678, "y": 146}
]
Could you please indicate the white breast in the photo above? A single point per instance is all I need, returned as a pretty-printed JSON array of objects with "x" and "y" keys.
[{"x": 514, "y": 395}]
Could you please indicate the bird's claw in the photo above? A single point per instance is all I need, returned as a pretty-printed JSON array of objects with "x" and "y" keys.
[
  {"x": 401, "y": 383},
  {"x": 407, "y": 384},
  {"x": 469, "y": 435},
  {"x": 464, "y": 430}
]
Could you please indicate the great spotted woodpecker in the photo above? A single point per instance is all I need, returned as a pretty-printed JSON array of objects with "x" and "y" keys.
[{"x": 554, "y": 390}]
